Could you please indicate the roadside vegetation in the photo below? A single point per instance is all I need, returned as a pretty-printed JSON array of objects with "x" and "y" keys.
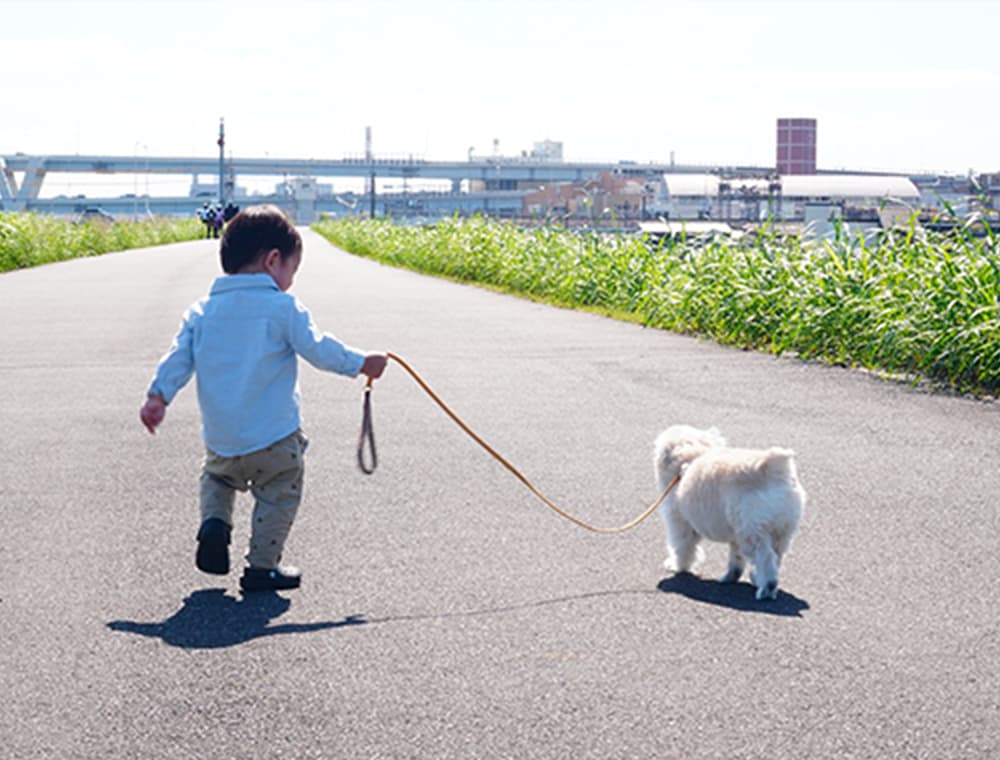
[
  {"x": 27, "y": 240},
  {"x": 923, "y": 306}
]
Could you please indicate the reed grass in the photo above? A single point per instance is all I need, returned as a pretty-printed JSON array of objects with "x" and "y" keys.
[
  {"x": 27, "y": 240},
  {"x": 922, "y": 306}
]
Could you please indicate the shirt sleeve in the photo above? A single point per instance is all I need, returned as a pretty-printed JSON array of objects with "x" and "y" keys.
[
  {"x": 177, "y": 365},
  {"x": 321, "y": 350}
]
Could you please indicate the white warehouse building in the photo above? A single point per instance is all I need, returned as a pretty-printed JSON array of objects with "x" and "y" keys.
[{"x": 787, "y": 198}]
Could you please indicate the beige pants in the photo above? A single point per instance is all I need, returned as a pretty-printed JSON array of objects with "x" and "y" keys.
[{"x": 274, "y": 476}]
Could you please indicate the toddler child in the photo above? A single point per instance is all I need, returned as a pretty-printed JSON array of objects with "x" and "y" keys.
[{"x": 242, "y": 342}]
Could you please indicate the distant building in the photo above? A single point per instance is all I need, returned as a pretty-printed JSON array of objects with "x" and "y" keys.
[
  {"x": 607, "y": 196},
  {"x": 859, "y": 191},
  {"x": 304, "y": 187},
  {"x": 708, "y": 196},
  {"x": 300, "y": 196},
  {"x": 686, "y": 196},
  {"x": 544, "y": 150},
  {"x": 796, "y": 141},
  {"x": 200, "y": 189},
  {"x": 989, "y": 185},
  {"x": 961, "y": 194},
  {"x": 547, "y": 150}
]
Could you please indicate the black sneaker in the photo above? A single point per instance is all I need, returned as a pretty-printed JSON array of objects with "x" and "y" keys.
[
  {"x": 270, "y": 579},
  {"x": 213, "y": 547}
]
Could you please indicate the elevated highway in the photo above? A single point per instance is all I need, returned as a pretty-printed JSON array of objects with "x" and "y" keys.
[
  {"x": 490, "y": 184},
  {"x": 22, "y": 176},
  {"x": 36, "y": 167},
  {"x": 431, "y": 205}
]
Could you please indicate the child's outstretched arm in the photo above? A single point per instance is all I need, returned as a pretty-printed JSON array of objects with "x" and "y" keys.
[
  {"x": 152, "y": 412},
  {"x": 325, "y": 352}
]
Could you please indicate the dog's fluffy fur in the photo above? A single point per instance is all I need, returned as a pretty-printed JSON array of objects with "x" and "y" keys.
[{"x": 748, "y": 498}]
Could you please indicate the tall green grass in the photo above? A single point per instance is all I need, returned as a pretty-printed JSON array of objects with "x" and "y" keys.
[
  {"x": 922, "y": 306},
  {"x": 27, "y": 240}
]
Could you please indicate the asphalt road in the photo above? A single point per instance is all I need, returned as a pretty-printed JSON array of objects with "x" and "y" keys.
[{"x": 445, "y": 613}]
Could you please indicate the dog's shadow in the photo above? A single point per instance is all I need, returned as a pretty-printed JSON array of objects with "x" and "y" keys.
[
  {"x": 736, "y": 596},
  {"x": 211, "y": 619}
]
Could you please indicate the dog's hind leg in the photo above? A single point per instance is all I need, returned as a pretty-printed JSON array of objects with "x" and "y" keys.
[
  {"x": 782, "y": 540},
  {"x": 765, "y": 566},
  {"x": 737, "y": 564},
  {"x": 683, "y": 551}
]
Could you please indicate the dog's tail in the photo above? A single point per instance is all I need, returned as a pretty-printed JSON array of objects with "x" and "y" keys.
[{"x": 779, "y": 462}]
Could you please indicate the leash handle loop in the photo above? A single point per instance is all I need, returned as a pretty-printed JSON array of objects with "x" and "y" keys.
[{"x": 366, "y": 438}]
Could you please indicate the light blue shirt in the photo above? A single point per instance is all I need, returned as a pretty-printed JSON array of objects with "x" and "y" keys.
[{"x": 242, "y": 342}]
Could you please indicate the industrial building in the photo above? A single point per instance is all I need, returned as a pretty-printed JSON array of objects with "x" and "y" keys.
[
  {"x": 608, "y": 195},
  {"x": 796, "y": 146},
  {"x": 751, "y": 199}
]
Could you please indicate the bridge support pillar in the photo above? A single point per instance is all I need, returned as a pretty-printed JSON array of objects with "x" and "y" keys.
[
  {"x": 8, "y": 187},
  {"x": 31, "y": 183}
]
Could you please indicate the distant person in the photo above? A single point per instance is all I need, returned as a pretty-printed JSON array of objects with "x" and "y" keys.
[
  {"x": 243, "y": 341},
  {"x": 216, "y": 219},
  {"x": 229, "y": 212},
  {"x": 206, "y": 216}
]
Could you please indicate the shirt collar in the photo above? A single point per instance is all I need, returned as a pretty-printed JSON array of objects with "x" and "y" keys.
[{"x": 231, "y": 282}]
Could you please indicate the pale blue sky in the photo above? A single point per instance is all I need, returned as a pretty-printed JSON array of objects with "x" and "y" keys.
[{"x": 895, "y": 84}]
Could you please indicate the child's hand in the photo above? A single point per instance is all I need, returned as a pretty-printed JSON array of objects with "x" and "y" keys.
[
  {"x": 152, "y": 412},
  {"x": 374, "y": 365}
]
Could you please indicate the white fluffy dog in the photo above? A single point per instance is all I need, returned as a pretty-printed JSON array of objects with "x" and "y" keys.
[{"x": 750, "y": 499}]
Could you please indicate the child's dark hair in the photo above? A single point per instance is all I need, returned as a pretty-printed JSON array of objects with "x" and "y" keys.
[{"x": 255, "y": 231}]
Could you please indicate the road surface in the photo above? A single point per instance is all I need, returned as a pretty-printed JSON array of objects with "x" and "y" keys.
[{"x": 445, "y": 613}]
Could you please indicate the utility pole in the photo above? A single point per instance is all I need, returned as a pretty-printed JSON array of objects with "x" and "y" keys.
[
  {"x": 370, "y": 158},
  {"x": 222, "y": 170}
]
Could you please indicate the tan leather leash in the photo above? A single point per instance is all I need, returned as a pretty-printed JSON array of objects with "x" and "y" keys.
[{"x": 366, "y": 438}]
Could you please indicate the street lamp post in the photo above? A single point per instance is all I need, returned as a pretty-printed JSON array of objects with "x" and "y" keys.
[
  {"x": 222, "y": 170},
  {"x": 135, "y": 182},
  {"x": 149, "y": 214}
]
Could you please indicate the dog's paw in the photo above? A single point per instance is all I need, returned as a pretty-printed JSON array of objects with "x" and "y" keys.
[
  {"x": 732, "y": 575},
  {"x": 685, "y": 561},
  {"x": 768, "y": 591}
]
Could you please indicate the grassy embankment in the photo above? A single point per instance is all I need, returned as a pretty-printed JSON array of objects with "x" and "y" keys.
[
  {"x": 912, "y": 305},
  {"x": 27, "y": 240}
]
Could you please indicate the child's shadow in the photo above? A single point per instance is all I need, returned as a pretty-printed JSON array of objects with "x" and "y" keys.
[
  {"x": 210, "y": 619},
  {"x": 736, "y": 596}
]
